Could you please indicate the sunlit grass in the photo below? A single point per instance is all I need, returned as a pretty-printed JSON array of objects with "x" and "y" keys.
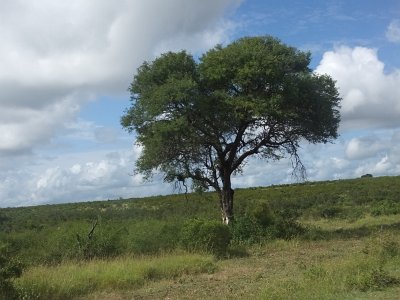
[
  {"x": 365, "y": 221},
  {"x": 367, "y": 270},
  {"x": 70, "y": 280}
]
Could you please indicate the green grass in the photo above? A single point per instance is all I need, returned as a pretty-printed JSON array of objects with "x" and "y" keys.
[
  {"x": 352, "y": 276},
  {"x": 358, "y": 268},
  {"x": 349, "y": 249},
  {"x": 70, "y": 280}
]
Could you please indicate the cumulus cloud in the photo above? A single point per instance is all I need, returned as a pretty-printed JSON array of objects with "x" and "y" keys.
[
  {"x": 55, "y": 55},
  {"x": 24, "y": 127},
  {"x": 96, "y": 175},
  {"x": 377, "y": 153},
  {"x": 370, "y": 95},
  {"x": 366, "y": 147},
  {"x": 393, "y": 31}
]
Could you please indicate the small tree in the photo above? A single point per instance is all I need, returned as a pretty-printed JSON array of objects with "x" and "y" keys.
[{"x": 201, "y": 120}]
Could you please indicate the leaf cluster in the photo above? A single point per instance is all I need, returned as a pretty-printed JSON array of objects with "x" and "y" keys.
[{"x": 202, "y": 119}]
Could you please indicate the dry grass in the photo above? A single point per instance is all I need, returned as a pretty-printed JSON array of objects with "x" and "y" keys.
[
  {"x": 73, "y": 280},
  {"x": 288, "y": 270}
]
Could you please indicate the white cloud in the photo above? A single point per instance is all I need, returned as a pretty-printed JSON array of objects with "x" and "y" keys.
[
  {"x": 55, "y": 55},
  {"x": 366, "y": 147},
  {"x": 377, "y": 153},
  {"x": 21, "y": 128},
  {"x": 393, "y": 31},
  {"x": 371, "y": 97},
  {"x": 98, "y": 175}
]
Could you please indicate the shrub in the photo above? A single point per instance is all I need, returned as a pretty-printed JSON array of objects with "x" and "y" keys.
[
  {"x": 10, "y": 268},
  {"x": 261, "y": 223},
  {"x": 331, "y": 212},
  {"x": 385, "y": 207},
  {"x": 103, "y": 242},
  {"x": 286, "y": 229},
  {"x": 254, "y": 225},
  {"x": 245, "y": 230},
  {"x": 203, "y": 235},
  {"x": 153, "y": 236},
  {"x": 262, "y": 214}
]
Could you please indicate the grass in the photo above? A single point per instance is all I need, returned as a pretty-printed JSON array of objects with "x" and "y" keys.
[
  {"x": 350, "y": 250},
  {"x": 364, "y": 221},
  {"x": 357, "y": 268},
  {"x": 351, "y": 276},
  {"x": 70, "y": 280}
]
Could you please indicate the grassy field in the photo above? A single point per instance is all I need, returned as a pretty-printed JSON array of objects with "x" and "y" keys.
[{"x": 323, "y": 240}]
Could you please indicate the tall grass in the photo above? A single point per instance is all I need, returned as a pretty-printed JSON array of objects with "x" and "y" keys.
[
  {"x": 70, "y": 280},
  {"x": 375, "y": 268}
]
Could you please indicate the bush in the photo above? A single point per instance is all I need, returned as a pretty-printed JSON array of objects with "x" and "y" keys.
[
  {"x": 153, "y": 236},
  {"x": 245, "y": 230},
  {"x": 203, "y": 235},
  {"x": 260, "y": 223},
  {"x": 10, "y": 268},
  {"x": 103, "y": 241},
  {"x": 385, "y": 207},
  {"x": 286, "y": 229},
  {"x": 262, "y": 215},
  {"x": 254, "y": 225},
  {"x": 331, "y": 212}
]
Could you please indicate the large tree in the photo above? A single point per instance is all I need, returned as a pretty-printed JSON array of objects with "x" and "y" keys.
[{"x": 200, "y": 120}]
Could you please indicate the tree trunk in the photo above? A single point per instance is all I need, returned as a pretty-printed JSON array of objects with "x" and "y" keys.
[{"x": 226, "y": 200}]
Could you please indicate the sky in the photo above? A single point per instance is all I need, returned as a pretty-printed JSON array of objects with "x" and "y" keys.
[{"x": 65, "y": 67}]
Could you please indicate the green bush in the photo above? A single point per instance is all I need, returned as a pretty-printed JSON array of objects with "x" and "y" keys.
[
  {"x": 286, "y": 229},
  {"x": 262, "y": 214},
  {"x": 204, "y": 235},
  {"x": 104, "y": 242},
  {"x": 260, "y": 223},
  {"x": 153, "y": 236},
  {"x": 254, "y": 225},
  {"x": 245, "y": 230},
  {"x": 385, "y": 207},
  {"x": 10, "y": 268},
  {"x": 330, "y": 212}
]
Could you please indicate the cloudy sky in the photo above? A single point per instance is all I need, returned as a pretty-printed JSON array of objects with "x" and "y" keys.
[{"x": 65, "y": 67}]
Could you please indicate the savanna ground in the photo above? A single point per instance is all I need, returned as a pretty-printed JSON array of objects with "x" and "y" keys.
[{"x": 327, "y": 240}]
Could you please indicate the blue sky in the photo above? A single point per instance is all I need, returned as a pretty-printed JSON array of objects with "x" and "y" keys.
[{"x": 65, "y": 68}]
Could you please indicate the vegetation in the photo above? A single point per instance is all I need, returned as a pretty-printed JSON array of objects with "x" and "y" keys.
[
  {"x": 10, "y": 268},
  {"x": 341, "y": 236},
  {"x": 264, "y": 100},
  {"x": 70, "y": 280}
]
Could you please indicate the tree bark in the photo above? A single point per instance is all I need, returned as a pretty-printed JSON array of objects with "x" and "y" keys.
[{"x": 226, "y": 201}]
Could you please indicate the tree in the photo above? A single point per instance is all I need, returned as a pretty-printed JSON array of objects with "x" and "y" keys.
[{"x": 202, "y": 119}]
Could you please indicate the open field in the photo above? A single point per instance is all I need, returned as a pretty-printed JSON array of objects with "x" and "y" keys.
[{"x": 326, "y": 240}]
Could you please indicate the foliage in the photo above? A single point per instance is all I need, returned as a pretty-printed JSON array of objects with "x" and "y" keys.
[
  {"x": 342, "y": 247},
  {"x": 386, "y": 207},
  {"x": 204, "y": 235},
  {"x": 287, "y": 229},
  {"x": 264, "y": 100},
  {"x": 10, "y": 268},
  {"x": 39, "y": 235},
  {"x": 245, "y": 230},
  {"x": 260, "y": 223},
  {"x": 254, "y": 225}
]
